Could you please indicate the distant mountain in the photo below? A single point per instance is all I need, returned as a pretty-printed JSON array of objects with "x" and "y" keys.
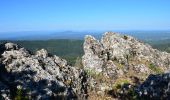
[
  {"x": 46, "y": 35},
  {"x": 150, "y": 35}
]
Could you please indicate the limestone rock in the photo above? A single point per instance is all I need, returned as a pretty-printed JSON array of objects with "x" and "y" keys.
[
  {"x": 117, "y": 65},
  {"x": 38, "y": 76},
  {"x": 124, "y": 51},
  {"x": 119, "y": 58},
  {"x": 10, "y": 46},
  {"x": 42, "y": 53},
  {"x": 92, "y": 59}
]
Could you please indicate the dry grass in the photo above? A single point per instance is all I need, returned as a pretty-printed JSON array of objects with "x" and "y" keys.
[{"x": 95, "y": 96}]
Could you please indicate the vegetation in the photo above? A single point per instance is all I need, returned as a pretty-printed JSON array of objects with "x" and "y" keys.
[
  {"x": 119, "y": 65},
  {"x": 19, "y": 95},
  {"x": 123, "y": 85},
  {"x": 125, "y": 37},
  {"x": 118, "y": 83},
  {"x": 93, "y": 73},
  {"x": 155, "y": 69},
  {"x": 163, "y": 45}
]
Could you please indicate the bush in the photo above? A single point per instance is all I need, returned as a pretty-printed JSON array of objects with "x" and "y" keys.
[
  {"x": 125, "y": 37},
  {"x": 19, "y": 95},
  {"x": 123, "y": 90},
  {"x": 155, "y": 69}
]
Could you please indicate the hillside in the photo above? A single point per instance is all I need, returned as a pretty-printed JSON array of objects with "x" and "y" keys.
[{"x": 163, "y": 45}]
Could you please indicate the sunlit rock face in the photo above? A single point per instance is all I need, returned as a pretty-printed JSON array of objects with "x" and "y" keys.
[
  {"x": 38, "y": 76},
  {"x": 93, "y": 54},
  {"x": 124, "y": 50},
  {"x": 120, "y": 57}
]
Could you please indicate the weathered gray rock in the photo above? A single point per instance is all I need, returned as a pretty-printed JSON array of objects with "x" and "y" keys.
[
  {"x": 121, "y": 58},
  {"x": 39, "y": 76},
  {"x": 121, "y": 49},
  {"x": 42, "y": 53},
  {"x": 93, "y": 50},
  {"x": 117, "y": 65},
  {"x": 10, "y": 46}
]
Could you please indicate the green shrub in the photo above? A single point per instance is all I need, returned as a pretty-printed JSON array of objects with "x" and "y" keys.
[
  {"x": 93, "y": 73},
  {"x": 119, "y": 87},
  {"x": 155, "y": 69},
  {"x": 125, "y": 37},
  {"x": 132, "y": 94},
  {"x": 19, "y": 95},
  {"x": 118, "y": 83}
]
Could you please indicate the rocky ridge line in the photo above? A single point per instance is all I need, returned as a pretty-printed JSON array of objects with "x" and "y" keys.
[{"x": 116, "y": 67}]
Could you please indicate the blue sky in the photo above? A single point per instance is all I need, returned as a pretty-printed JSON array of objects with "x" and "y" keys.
[{"x": 38, "y": 15}]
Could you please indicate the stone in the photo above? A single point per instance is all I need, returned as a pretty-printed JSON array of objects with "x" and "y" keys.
[
  {"x": 117, "y": 67},
  {"x": 121, "y": 57},
  {"x": 42, "y": 53},
  {"x": 39, "y": 76},
  {"x": 91, "y": 60}
]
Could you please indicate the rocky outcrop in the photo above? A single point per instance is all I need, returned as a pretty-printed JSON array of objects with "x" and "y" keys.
[
  {"x": 124, "y": 50},
  {"x": 93, "y": 50},
  {"x": 121, "y": 59},
  {"x": 117, "y": 67},
  {"x": 39, "y": 76}
]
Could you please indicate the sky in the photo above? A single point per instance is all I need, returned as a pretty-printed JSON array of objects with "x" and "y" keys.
[{"x": 80, "y": 15}]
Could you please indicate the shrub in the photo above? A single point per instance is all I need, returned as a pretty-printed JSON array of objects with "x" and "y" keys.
[
  {"x": 155, "y": 69},
  {"x": 123, "y": 90},
  {"x": 118, "y": 83},
  {"x": 92, "y": 73},
  {"x": 125, "y": 37},
  {"x": 19, "y": 95}
]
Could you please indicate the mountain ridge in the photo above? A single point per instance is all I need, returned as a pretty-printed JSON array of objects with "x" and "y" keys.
[
  {"x": 47, "y": 35},
  {"x": 116, "y": 67}
]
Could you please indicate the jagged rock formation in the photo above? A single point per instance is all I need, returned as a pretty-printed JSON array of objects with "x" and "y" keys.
[
  {"x": 125, "y": 50},
  {"x": 118, "y": 59},
  {"x": 117, "y": 67},
  {"x": 39, "y": 76}
]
